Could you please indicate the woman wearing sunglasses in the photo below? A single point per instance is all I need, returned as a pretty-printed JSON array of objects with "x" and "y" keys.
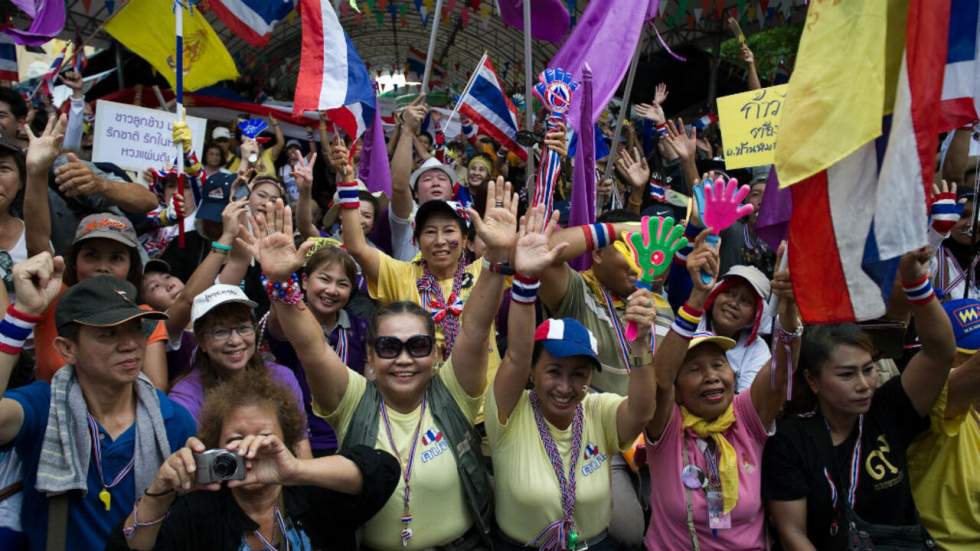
[
  {"x": 224, "y": 326},
  {"x": 417, "y": 409}
]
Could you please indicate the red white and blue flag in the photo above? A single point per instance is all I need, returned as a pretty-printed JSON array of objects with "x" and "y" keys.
[
  {"x": 844, "y": 258},
  {"x": 961, "y": 82},
  {"x": 8, "y": 59},
  {"x": 332, "y": 77},
  {"x": 431, "y": 436},
  {"x": 252, "y": 20},
  {"x": 485, "y": 103}
]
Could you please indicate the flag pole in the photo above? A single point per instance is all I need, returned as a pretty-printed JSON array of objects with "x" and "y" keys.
[
  {"x": 179, "y": 110},
  {"x": 432, "y": 47},
  {"x": 467, "y": 89},
  {"x": 618, "y": 134},
  {"x": 528, "y": 97}
]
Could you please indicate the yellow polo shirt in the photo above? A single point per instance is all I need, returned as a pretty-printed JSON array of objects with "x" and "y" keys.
[
  {"x": 438, "y": 507},
  {"x": 526, "y": 489}
]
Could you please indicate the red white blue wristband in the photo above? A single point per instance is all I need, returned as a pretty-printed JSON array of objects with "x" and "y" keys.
[
  {"x": 661, "y": 129},
  {"x": 919, "y": 292},
  {"x": 598, "y": 236},
  {"x": 15, "y": 329},
  {"x": 525, "y": 289},
  {"x": 347, "y": 196}
]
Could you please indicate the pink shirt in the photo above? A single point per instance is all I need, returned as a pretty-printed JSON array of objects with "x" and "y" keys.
[{"x": 668, "y": 521}]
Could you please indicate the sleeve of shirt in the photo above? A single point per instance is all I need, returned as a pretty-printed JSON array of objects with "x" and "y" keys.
[
  {"x": 470, "y": 405},
  {"x": 380, "y": 471},
  {"x": 340, "y": 417},
  {"x": 573, "y": 301},
  {"x": 746, "y": 413},
  {"x": 394, "y": 279},
  {"x": 34, "y": 399},
  {"x": 73, "y": 133},
  {"x": 188, "y": 394},
  {"x": 497, "y": 431},
  {"x": 159, "y": 332},
  {"x": 782, "y": 469},
  {"x": 288, "y": 378},
  {"x": 605, "y": 409},
  {"x": 402, "y": 245},
  {"x": 939, "y": 423},
  {"x": 897, "y": 411}
]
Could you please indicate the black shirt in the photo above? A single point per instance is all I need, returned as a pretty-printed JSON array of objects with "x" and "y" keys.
[
  {"x": 795, "y": 458},
  {"x": 214, "y": 521}
]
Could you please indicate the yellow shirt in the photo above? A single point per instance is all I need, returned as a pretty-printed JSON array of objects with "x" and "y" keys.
[
  {"x": 439, "y": 511},
  {"x": 397, "y": 282},
  {"x": 528, "y": 497},
  {"x": 944, "y": 469}
]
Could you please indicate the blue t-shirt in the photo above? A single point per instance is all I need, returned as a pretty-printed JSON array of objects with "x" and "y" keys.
[{"x": 89, "y": 524}]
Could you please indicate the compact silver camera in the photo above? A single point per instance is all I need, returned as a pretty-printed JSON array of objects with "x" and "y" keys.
[{"x": 218, "y": 466}]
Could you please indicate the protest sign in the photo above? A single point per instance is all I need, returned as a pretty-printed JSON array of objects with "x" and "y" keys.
[
  {"x": 136, "y": 138},
  {"x": 749, "y": 125}
]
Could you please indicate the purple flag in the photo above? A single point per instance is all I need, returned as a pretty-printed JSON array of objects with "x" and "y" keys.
[
  {"x": 549, "y": 18},
  {"x": 49, "y": 20},
  {"x": 374, "y": 169},
  {"x": 605, "y": 38},
  {"x": 774, "y": 212},
  {"x": 582, "y": 208}
]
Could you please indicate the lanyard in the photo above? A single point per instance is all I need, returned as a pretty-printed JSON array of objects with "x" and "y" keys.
[
  {"x": 341, "y": 347},
  {"x": 960, "y": 273},
  {"x": 406, "y": 532},
  {"x": 560, "y": 534},
  {"x": 104, "y": 495},
  {"x": 855, "y": 469},
  {"x": 267, "y": 545},
  {"x": 617, "y": 326}
]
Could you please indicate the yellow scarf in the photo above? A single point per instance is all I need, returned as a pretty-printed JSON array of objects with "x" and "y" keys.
[{"x": 728, "y": 464}]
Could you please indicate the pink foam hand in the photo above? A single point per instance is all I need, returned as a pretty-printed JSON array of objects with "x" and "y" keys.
[{"x": 723, "y": 204}]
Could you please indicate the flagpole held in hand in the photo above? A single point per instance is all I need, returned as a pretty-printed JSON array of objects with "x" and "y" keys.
[
  {"x": 432, "y": 47},
  {"x": 179, "y": 110}
]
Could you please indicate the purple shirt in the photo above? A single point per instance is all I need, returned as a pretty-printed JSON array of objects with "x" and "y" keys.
[{"x": 189, "y": 391}]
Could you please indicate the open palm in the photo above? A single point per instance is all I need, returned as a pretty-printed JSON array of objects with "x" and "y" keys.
[
  {"x": 534, "y": 252},
  {"x": 272, "y": 243},
  {"x": 498, "y": 227}
]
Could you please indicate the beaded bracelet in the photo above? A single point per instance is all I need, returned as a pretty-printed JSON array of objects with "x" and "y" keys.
[
  {"x": 687, "y": 321},
  {"x": 347, "y": 196},
  {"x": 524, "y": 289},
  {"x": 15, "y": 329},
  {"x": 919, "y": 292},
  {"x": 287, "y": 292},
  {"x": 129, "y": 531}
]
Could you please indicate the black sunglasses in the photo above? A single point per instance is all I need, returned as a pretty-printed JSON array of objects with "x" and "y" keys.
[{"x": 418, "y": 346}]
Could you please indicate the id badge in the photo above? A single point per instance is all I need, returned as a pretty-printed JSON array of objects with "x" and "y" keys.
[{"x": 717, "y": 520}]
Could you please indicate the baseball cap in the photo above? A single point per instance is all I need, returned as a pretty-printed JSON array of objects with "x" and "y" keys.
[
  {"x": 755, "y": 278},
  {"x": 964, "y": 314},
  {"x": 700, "y": 338},
  {"x": 293, "y": 143},
  {"x": 220, "y": 133},
  {"x": 158, "y": 265},
  {"x": 100, "y": 301},
  {"x": 438, "y": 206},
  {"x": 215, "y": 296},
  {"x": 107, "y": 226},
  {"x": 215, "y": 196},
  {"x": 334, "y": 211},
  {"x": 567, "y": 337},
  {"x": 432, "y": 164},
  {"x": 760, "y": 173}
]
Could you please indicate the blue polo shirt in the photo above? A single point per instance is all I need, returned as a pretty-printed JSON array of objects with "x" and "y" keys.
[{"x": 89, "y": 524}]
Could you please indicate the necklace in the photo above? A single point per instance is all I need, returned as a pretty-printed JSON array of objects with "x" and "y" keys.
[{"x": 104, "y": 496}]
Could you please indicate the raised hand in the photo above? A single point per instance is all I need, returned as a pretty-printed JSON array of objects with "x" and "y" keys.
[
  {"x": 651, "y": 111},
  {"x": 233, "y": 218},
  {"x": 682, "y": 141},
  {"x": 303, "y": 171},
  {"x": 414, "y": 112},
  {"x": 37, "y": 281},
  {"x": 723, "y": 204},
  {"x": 340, "y": 160},
  {"x": 640, "y": 314},
  {"x": 660, "y": 94},
  {"x": 42, "y": 150},
  {"x": 747, "y": 56},
  {"x": 272, "y": 243},
  {"x": 782, "y": 287},
  {"x": 633, "y": 166},
  {"x": 944, "y": 210},
  {"x": 267, "y": 460},
  {"x": 703, "y": 260},
  {"x": 76, "y": 178},
  {"x": 913, "y": 266},
  {"x": 555, "y": 140},
  {"x": 534, "y": 253},
  {"x": 498, "y": 226}
]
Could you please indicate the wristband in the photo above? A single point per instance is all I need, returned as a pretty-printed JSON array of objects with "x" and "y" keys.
[
  {"x": 148, "y": 493},
  {"x": 944, "y": 212},
  {"x": 919, "y": 292},
  {"x": 687, "y": 321},
  {"x": 501, "y": 268},
  {"x": 129, "y": 531},
  {"x": 643, "y": 359},
  {"x": 661, "y": 129},
  {"x": 287, "y": 292},
  {"x": 15, "y": 328},
  {"x": 347, "y": 195},
  {"x": 220, "y": 247},
  {"x": 524, "y": 289},
  {"x": 598, "y": 236}
]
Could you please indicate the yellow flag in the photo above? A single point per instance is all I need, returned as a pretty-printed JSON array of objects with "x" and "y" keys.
[
  {"x": 837, "y": 93},
  {"x": 147, "y": 27}
]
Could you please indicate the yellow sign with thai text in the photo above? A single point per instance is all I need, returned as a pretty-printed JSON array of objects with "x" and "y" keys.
[{"x": 749, "y": 125}]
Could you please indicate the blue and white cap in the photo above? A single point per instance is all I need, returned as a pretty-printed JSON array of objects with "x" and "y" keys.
[
  {"x": 567, "y": 337},
  {"x": 964, "y": 314}
]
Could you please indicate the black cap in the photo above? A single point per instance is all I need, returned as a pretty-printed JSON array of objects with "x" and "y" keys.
[
  {"x": 452, "y": 209},
  {"x": 156, "y": 265},
  {"x": 101, "y": 301},
  {"x": 217, "y": 189}
]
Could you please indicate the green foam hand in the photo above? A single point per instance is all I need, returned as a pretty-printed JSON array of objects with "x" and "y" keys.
[{"x": 653, "y": 250}]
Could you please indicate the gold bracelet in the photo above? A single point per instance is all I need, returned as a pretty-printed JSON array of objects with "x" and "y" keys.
[{"x": 643, "y": 359}]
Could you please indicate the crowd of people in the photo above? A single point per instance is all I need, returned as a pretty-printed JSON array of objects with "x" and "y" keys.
[{"x": 450, "y": 367}]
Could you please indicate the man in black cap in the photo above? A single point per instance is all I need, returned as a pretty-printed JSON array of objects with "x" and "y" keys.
[{"x": 93, "y": 439}]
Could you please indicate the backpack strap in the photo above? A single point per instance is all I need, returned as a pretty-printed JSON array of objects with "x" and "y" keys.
[{"x": 57, "y": 522}]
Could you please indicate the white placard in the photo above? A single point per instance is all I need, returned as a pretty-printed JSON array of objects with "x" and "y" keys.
[{"x": 136, "y": 138}]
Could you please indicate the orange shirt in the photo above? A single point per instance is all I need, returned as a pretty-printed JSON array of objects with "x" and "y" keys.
[{"x": 49, "y": 360}]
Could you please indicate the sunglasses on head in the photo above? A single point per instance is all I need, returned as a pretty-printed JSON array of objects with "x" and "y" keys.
[{"x": 417, "y": 346}]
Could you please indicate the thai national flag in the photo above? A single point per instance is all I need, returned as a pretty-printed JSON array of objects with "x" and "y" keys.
[
  {"x": 48, "y": 79},
  {"x": 415, "y": 62},
  {"x": 332, "y": 77},
  {"x": 252, "y": 20},
  {"x": 961, "y": 82},
  {"x": 591, "y": 450},
  {"x": 431, "y": 436},
  {"x": 705, "y": 121},
  {"x": 485, "y": 103},
  {"x": 8, "y": 59},
  {"x": 865, "y": 211}
]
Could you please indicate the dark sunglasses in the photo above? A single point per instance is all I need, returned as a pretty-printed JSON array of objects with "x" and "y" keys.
[{"x": 418, "y": 346}]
